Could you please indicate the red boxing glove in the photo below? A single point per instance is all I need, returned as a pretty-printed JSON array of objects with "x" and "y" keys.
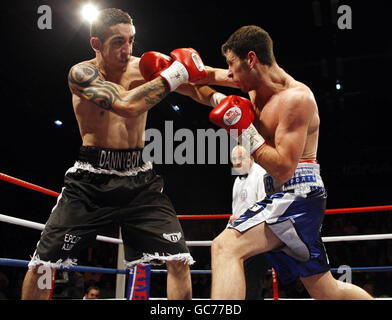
[
  {"x": 152, "y": 63},
  {"x": 187, "y": 66},
  {"x": 184, "y": 66},
  {"x": 235, "y": 114},
  {"x": 191, "y": 59}
]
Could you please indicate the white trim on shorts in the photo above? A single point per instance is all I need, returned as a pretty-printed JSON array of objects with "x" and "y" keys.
[
  {"x": 130, "y": 172},
  {"x": 157, "y": 260}
]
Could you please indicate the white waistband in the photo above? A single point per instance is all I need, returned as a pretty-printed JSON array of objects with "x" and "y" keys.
[
  {"x": 130, "y": 172},
  {"x": 306, "y": 176}
]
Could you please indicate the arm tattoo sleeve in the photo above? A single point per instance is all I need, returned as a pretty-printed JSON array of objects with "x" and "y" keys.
[
  {"x": 87, "y": 80},
  {"x": 151, "y": 93}
]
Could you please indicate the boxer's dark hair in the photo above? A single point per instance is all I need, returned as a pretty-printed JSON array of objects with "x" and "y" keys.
[
  {"x": 107, "y": 18},
  {"x": 251, "y": 38}
]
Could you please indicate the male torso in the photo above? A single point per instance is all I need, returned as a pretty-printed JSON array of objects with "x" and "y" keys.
[
  {"x": 104, "y": 128},
  {"x": 274, "y": 114}
]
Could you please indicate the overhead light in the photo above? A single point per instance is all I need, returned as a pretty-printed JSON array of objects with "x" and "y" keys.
[{"x": 89, "y": 12}]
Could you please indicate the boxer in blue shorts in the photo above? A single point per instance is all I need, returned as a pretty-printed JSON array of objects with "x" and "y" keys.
[
  {"x": 294, "y": 213},
  {"x": 280, "y": 124}
]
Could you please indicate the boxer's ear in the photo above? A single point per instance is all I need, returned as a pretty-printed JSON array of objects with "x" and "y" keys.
[
  {"x": 252, "y": 59},
  {"x": 96, "y": 44}
]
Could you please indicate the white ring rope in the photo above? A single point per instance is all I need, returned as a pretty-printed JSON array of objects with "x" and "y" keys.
[
  {"x": 40, "y": 226},
  {"x": 382, "y": 236}
]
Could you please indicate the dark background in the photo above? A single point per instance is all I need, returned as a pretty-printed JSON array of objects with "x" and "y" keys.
[{"x": 354, "y": 147}]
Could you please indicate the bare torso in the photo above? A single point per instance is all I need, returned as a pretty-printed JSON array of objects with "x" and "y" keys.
[
  {"x": 267, "y": 116},
  {"x": 103, "y": 128}
]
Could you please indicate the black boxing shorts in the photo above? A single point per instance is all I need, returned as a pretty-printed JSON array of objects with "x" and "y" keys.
[{"x": 106, "y": 187}]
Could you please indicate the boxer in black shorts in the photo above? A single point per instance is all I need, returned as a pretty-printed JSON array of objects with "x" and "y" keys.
[
  {"x": 109, "y": 182},
  {"x": 112, "y": 186}
]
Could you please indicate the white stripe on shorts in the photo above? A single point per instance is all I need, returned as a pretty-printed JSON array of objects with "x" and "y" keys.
[{"x": 269, "y": 214}]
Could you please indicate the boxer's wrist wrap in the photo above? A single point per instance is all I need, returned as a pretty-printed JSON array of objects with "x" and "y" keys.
[
  {"x": 175, "y": 75},
  {"x": 216, "y": 99},
  {"x": 250, "y": 138}
]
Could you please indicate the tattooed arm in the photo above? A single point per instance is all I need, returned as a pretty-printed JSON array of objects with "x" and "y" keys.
[{"x": 86, "y": 81}]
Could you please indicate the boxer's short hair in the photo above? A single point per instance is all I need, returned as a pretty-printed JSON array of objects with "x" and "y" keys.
[
  {"x": 107, "y": 18},
  {"x": 251, "y": 38}
]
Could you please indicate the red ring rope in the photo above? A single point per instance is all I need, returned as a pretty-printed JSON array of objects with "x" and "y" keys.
[
  {"x": 31, "y": 186},
  {"x": 27, "y": 185}
]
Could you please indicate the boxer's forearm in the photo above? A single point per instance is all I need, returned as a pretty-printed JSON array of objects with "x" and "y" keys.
[
  {"x": 141, "y": 99},
  {"x": 218, "y": 77},
  {"x": 200, "y": 93},
  {"x": 276, "y": 162}
]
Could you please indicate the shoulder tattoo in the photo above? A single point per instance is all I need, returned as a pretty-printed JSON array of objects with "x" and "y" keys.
[{"x": 87, "y": 80}]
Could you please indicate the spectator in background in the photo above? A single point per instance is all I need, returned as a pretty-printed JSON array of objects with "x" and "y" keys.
[
  {"x": 248, "y": 188},
  {"x": 92, "y": 293}
]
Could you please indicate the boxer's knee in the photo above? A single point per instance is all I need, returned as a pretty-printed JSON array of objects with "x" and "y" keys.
[
  {"x": 217, "y": 246},
  {"x": 223, "y": 245},
  {"x": 178, "y": 268}
]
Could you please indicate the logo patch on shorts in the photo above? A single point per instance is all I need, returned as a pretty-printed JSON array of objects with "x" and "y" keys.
[
  {"x": 69, "y": 241},
  {"x": 172, "y": 237}
]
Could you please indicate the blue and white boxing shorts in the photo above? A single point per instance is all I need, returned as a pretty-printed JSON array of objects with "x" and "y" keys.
[{"x": 294, "y": 212}]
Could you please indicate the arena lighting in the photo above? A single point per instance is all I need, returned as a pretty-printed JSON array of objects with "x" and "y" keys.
[
  {"x": 58, "y": 123},
  {"x": 338, "y": 85},
  {"x": 176, "y": 108},
  {"x": 89, "y": 12}
]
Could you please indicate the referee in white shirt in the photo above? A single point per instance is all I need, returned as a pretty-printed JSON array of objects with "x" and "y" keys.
[{"x": 248, "y": 188}]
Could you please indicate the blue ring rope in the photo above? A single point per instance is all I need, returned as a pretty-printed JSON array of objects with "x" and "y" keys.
[{"x": 24, "y": 263}]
